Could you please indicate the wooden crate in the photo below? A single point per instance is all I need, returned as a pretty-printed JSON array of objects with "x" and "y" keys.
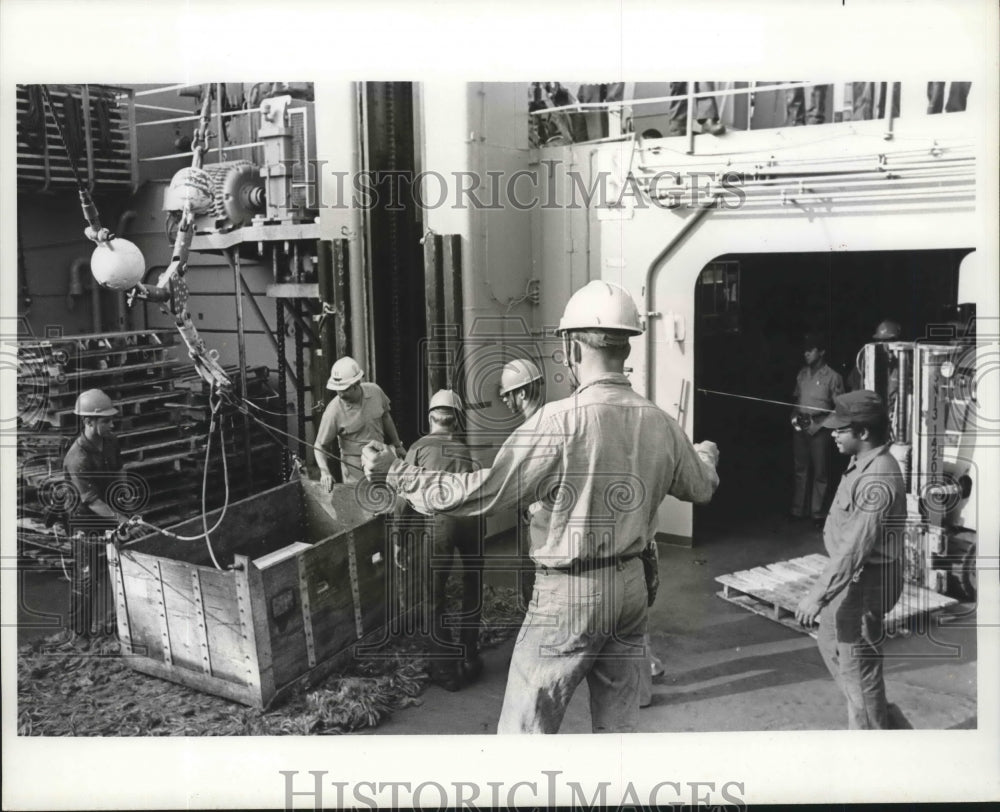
[
  {"x": 774, "y": 591},
  {"x": 304, "y": 578}
]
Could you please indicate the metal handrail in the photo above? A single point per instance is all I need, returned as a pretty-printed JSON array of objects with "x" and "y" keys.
[{"x": 606, "y": 105}]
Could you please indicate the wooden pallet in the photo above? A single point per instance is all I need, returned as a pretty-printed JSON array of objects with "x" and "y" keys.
[{"x": 774, "y": 591}]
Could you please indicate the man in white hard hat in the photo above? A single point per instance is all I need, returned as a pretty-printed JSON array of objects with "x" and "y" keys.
[
  {"x": 601, "y": 461},
  {"x": 93, "y": 466},
  {"x": 359, "y": 413},
  {"x": 432, "y": 541},
  {"x": 521, "y": 391},
  {"x": 521, "y": 387}
]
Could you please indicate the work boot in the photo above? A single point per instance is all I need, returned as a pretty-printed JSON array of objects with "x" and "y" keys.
[
  {"x": 655, "y": 665},
  {"x": 472, "y": 667},
  {"x": 69, "y": 641},
  {"x": 445, "y": 674},
  {"x": 712, "y": 126}
]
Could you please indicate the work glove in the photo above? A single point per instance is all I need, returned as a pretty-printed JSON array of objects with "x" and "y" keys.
[
  {"x": 708, "y": 451},
  {"x": 800, "y": 422},
  {"x": 376, "y": 459},
  {"x": 651, "y": 568}
]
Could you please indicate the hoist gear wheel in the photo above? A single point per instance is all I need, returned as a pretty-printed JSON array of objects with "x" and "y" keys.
[
  {"x": 237, "y": 193},
  {"x": 189, "y": 185}
]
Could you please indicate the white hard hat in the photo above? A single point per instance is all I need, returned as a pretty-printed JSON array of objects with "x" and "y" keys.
[
  {"x": 601, "y": 305},
  {"x": 190, "y": 185},
  {"x": 117, "y": 264},
  {"x": 445, "y": 399},
  {"x": 517, "y": 373},
  {"x": 94, "y": 403},
  {"x": 344, "y": 374}
]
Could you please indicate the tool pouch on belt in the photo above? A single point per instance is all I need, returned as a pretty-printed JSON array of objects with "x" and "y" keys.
[{"x": 651, "y": 567}]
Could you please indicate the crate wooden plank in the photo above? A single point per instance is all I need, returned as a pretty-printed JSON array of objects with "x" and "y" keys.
[
  {"x": 763, "y": 609},
  {"x": 257, "y": 665},
  {"x": 284, "y": 612},
  {"x": 195, "y": 679},
  {"x": 227, "y": 647}
]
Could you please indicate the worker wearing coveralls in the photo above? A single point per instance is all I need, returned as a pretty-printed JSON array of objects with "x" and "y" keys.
[
  {"x": 521, "y": 392},
  {"x": 601, "y": 461},
  {"x": 93, "y": 466},
  {"x": 863, "y": 580},
  {"x": 436, "y": 540},
  {"x": 359, "y": 413},
  {"x": 815, "y": 388}
]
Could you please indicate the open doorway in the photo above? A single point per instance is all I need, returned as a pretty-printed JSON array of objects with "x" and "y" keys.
[{"x": 751, "y": 313}]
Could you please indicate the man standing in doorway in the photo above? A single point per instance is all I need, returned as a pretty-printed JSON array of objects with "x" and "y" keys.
[
  {"x": 863, "y": 536},
  {"x": 601, "y": 461},
  {"x": 815, "y": 389}
]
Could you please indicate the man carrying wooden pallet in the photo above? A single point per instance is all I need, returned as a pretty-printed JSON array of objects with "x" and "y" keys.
[{"x": 863, "y": 536}]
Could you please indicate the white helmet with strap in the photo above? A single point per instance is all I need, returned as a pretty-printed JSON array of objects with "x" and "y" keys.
[
  {"x": 94, "y": 403},
  {"x": 517, "y": 373},
  {"x": 601, "y": 305},
  {"x": 445, "y": 399},
  {"x": 344, "y": 373}
]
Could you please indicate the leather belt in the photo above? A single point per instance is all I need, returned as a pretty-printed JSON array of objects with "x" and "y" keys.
[{"x": 579, "y": 567}]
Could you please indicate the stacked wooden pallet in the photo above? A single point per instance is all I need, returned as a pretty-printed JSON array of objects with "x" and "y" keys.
[
  {"x": 97, "y": 121},
  {"x": 774, "y": 591},
  {"x": 162, "y": 426}
]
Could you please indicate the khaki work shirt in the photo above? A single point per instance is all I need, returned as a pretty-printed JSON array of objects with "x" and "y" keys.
[
  {"x": 600, "y": 462},
  {"x": 353, "y": 425},
  {"x": 93, "y": 470},
  {"x": 866, "y": 521},
  {"x": 817, "y": 389}
]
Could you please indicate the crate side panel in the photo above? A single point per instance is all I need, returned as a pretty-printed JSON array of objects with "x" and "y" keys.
[
  {"x": 373, "y": 574},
  {"x": 228, "y": 648},
  {"x": 286, "y": 629},
  {"x": 140, "y": 575},
  {"x": 181, "y": 615},
  {"x": 253, "y": 526},
  {"x": 331, "y": 601},
  {"x": 327, "y": 513}
]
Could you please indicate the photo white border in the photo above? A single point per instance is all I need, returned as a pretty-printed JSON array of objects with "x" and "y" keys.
[{"x": 308, "y": 40}]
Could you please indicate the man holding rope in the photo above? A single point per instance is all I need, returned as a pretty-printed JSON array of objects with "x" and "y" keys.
[
  {"x": 601, "y": 461},
  {"x": 358, "y": 414},
  {"x": 93, "y": 465}
]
